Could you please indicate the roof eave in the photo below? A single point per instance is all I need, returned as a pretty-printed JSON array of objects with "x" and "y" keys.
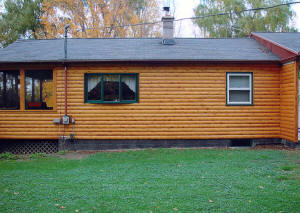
[
  {"x": 284, "y": 53},
  {"x": 137, "y": 60}
]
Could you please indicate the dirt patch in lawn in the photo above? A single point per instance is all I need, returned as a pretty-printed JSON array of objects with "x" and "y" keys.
[
  {"x": 77, "y": 155},
  {"x": 273, "y": 147},
  {"x": 80, "y": 154},
  {"x": 298, "y": 162}
]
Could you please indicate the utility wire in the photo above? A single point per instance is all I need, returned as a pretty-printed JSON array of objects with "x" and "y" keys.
[
  {"x": 205, "y": 16},
  {"x": 238, "y": 12},
  {"x": 133, "y": 25}
]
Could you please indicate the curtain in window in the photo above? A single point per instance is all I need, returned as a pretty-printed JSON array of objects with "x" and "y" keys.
[
  {"x": 94, "y": 87},
  {"x": 128, "y": 87}
]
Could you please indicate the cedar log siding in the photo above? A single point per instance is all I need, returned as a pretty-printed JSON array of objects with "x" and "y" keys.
[
  {"x": 289, "y": 102},
  {"x": 182, "y": 101},
  {"x": 29, "y": 124}
]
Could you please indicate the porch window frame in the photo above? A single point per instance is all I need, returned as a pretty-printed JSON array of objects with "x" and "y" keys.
[
  {"x": 22, "y": 89},
  {"x": 250, "y": 89},
  {"x": 23, "y": 99},
  {"x": 101, "y": 101}
]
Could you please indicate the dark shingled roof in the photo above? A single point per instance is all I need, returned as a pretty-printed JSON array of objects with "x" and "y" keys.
[
  {"x": 135, "y": 49},
  {"x": 288, "y": 40}
]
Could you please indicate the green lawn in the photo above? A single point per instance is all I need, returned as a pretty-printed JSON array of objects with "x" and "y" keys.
[{"x": 161, "y": 180}]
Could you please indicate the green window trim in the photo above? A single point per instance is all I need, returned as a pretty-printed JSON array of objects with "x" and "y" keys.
[{"x": 101, "y": 100}]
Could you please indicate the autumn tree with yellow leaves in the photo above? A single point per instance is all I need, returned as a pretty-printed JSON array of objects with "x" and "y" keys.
[
  {"x": 100, "y": 18},
  {"x": 32, "y": 19}
]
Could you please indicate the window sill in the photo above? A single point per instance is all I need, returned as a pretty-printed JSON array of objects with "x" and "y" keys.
[
  {"x": 239, "y": 104},
  {"x": 111, "y": 102}
]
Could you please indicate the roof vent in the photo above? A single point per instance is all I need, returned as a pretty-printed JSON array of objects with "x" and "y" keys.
[
  {"x": 168, "y": 28},
  {"x": 168, "y": 42}
]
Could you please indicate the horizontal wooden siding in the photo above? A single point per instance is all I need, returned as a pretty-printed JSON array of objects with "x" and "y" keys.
[
  {"x": 289, "y": 103},
  {"x": 175, "y": 102}
]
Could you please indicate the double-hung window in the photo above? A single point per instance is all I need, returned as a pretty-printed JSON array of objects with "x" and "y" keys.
[
  {"x": 111, "y": 88},
  {"x": 239, "y": 89}
]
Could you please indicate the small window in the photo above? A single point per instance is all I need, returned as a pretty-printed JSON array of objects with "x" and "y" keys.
[
  {"x": 239, "y": 89},
  {"x": 9, "y": 90},
  {"x": 39, "y": 90},
  {"x": 111, "y": 88}
]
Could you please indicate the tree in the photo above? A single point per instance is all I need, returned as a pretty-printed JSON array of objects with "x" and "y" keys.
[
  {"x": 20, "y": 19},
  {"x": 240, "y": 24},
  {"x": 100, "y": 18}
]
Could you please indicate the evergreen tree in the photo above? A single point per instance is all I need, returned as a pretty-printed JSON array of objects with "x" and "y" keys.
[{"x": 20, "y": 19}]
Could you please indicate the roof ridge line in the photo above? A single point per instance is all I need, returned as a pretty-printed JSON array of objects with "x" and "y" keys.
[{"x": 179, "y": 38}]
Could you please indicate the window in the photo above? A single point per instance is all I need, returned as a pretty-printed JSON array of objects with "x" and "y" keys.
[
  {"x": 239, "y": 89},
  {"x": 111, "y": 88},
  {"x": 9, "y": 90},
  {"x": 39, "y": 90}
]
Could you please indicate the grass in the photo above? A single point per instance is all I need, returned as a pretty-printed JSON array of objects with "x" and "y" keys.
[{"x": 161, "y": 180}]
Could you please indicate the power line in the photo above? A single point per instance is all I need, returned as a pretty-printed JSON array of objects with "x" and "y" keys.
[
  {"x": 205, "y": 16},
  {"x": 237, "y": 12},
  {"x": 134, "y": 25}
]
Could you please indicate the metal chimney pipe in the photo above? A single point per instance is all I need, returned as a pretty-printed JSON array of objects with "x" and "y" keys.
[
  {"x": 65, "y": 41},
  {"x": 66, "y": 69}
]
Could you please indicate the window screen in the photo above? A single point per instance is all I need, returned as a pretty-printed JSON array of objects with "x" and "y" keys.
[
  {"x": 39, "y": 90},
  {"x": 9, "y": 90}
]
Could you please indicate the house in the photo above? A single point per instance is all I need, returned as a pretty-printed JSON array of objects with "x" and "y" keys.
[{"x": 135, "y": 92}]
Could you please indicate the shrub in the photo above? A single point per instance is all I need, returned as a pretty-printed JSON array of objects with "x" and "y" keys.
[{"x": 8, "y": 156}]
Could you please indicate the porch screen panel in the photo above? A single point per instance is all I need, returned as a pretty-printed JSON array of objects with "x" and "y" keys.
[
  {"x": 9, "y": 90},
  {"x": 39, "y": 89}
]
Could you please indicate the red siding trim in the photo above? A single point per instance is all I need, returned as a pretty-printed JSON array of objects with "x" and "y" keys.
[{"x": 284, "y": 53}]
